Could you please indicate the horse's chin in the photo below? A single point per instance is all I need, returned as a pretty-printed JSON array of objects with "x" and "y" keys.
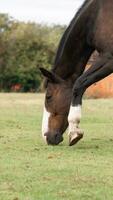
[{"x": 54, "y": 142}]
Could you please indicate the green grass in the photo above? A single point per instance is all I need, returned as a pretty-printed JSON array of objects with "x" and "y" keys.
[{"x": 31, "y": 170}]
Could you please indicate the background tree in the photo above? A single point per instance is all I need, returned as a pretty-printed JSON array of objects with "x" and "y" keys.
[{"x": 24, "y": 47}]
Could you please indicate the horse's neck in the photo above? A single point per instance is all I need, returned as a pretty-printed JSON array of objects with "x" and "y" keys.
[{"x": 73, "y": 44}]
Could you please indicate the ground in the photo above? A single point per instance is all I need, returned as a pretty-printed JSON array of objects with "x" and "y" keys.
[{"x": 31, "y": 170}]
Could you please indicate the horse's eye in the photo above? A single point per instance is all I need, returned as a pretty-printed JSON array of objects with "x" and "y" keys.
[{"x": 48, "y": 97}]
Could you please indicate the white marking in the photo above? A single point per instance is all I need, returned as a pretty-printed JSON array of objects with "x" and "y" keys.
[
  {"x": 74, "y": 118},
  {"x": 45, "y": 123}
]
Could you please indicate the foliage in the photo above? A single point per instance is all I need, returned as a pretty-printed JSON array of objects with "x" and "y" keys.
[{"x": 24, "y": 47}]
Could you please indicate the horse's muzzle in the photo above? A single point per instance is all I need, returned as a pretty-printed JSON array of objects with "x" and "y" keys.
[{"x": 53, "y": 139}]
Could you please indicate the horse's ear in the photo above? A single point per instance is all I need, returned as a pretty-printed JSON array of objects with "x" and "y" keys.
[
  {"x": 47, "y": 74},
  {"x": 50, "y": 76}
]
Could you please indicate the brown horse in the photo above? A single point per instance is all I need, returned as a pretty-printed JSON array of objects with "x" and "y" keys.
[{"x": 91, "y": 29}]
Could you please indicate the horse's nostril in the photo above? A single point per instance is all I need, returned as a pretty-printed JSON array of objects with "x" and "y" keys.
[
  {"x": 54, "y": 139},
  {"x": 49, "y": 141},
  {"x": 45, "y": 134},
  {"x": 58, "y": 138}
]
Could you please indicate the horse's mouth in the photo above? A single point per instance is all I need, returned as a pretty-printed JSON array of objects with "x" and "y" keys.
[{"x": 54, "y": 141}]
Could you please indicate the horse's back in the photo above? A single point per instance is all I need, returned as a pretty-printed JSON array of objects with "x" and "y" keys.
[{"x": 103, "y": 36}]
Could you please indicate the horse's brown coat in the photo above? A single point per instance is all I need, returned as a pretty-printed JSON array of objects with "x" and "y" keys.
[{"x": 91, "y": 29}]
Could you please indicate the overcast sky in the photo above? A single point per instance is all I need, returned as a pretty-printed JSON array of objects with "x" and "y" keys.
[{"x": 44, "y": 11}]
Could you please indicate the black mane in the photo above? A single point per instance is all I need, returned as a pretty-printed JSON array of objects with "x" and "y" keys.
[{"x": 67, "y": 33}]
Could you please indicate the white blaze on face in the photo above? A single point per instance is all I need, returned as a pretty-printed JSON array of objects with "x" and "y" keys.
[
  {"x": 45, "y": 122},
  {"x": 74, "y": 118}
]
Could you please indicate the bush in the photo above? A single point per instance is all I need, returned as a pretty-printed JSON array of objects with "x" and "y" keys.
[{"x": 24, "y": 47}]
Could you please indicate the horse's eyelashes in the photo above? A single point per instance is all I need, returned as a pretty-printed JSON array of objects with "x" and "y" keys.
[{"x": 48, "y": 97}]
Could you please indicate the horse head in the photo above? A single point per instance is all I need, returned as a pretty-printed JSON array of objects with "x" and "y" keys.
[{"x": 56, "y": 107}]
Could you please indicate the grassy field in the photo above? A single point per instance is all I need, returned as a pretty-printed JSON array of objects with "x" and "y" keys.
[{"x": 30, "y": 170}]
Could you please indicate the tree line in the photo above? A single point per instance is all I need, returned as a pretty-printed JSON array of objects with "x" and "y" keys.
[{"x": 24, "y": 47}]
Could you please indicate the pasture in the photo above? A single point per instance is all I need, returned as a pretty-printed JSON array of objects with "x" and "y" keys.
[{"x": 31, "y": 170}]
